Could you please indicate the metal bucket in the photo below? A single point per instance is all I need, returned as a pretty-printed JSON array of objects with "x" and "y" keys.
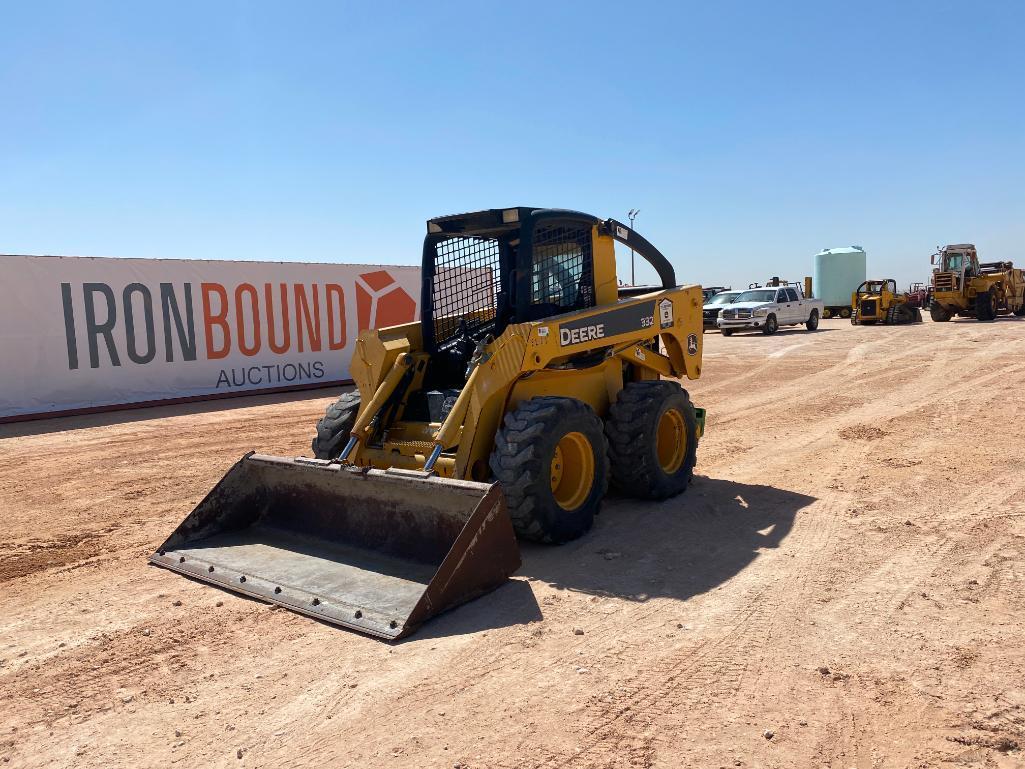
[{"x": 379, "y": 551}]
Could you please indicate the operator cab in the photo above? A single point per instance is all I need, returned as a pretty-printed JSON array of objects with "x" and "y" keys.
[
  {"x": 876, "y": 287},
  {"x": 485, "y": 270},
  {"x": 958, "y": 259}
]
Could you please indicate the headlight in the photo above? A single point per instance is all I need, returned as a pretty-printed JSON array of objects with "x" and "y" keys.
[{"x": 761, "y": 311}]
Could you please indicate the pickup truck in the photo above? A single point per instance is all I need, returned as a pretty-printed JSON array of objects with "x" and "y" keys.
[
  {"x": 710, "y": 311},
  {"x": 768, "y": 308}
]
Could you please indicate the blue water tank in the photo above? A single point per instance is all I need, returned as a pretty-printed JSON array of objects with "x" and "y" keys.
[{"x": 838, "y": 272}]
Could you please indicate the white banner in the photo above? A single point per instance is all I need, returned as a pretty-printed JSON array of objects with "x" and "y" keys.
[{"x": 82, "y": 332}]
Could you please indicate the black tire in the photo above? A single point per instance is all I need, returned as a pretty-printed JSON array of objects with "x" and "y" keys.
[
  {"x": 813, "y": 321},
  {"x": 938, "y": 313},
  {"x": 845, "y": 312},
  {"x": 726, "y": 331},
  {"x": 771, "y": 325},
  {"x": 634, "y": 440},
  {"x": 985, "y": 306},
  {"x": 1020, "y": 311},
  {"x": 334, "y": 429},
  {"x": 522, "y": 462}
]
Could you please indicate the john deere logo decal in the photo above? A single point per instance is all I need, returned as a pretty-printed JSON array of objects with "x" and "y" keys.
[{"x": 692, "y": 344}]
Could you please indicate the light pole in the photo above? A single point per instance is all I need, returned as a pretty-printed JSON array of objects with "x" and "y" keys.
[{"x": 632, "y": 214}]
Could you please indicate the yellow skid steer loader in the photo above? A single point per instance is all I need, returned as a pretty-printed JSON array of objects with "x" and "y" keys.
[{"x": 531, "y": 382}]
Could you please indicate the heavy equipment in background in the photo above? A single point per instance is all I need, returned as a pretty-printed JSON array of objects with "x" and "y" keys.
[
  {"x": 878, "y": 301},
  {"x": 526, "y": 388},
  {"x": 919, "y": 295},
  {"x": 964, "y": 286}
]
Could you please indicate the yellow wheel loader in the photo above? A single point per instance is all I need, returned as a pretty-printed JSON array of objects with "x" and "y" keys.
[
  {"x": 964, "y": 286},
  {"x": 529, "y": 385},
  {"x": 878, "y": 301}
]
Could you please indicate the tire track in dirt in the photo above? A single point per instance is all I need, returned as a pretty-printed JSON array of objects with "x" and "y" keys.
[{"x": 692, "y": 683}]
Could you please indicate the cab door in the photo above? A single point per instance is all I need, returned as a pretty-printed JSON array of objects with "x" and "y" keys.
[{"x": 787, "y": 308}]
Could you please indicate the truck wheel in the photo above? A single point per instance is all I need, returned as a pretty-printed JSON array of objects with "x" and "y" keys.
[
  {"x": 813, "y": 321},
  {"x": 334, "y": 429},
  {"x": 1020, "y": 311},
  {"x": 726, "y": 332},
  {"x": 938, "y": 313},
  {"x": 771, "y": 325},
  {"x": 845, "y": 312},
  {"x": 826, "y": 313},
  {"x": 551, "y": 458},
  {"x": 653, "y": 440},
  {"x": 985, "y": 306}
]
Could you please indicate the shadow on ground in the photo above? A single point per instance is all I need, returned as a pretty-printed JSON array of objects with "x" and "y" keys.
[
  {"x": 784, "y": 331},
  {"x": 676, "y": 549},
  {"x": 640, "y": 550}
]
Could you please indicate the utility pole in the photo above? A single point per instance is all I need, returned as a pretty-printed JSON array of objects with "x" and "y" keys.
[{"x": 632, "y": 214}]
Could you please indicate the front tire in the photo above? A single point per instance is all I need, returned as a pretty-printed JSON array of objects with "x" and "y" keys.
[
  {"x": 652, "y": 432},
  {"x": 813, "y": 321},
  {"x": 985, "y": 306},
  {"x": 726, "y": 332},
  {"x": 938, "y": 313},
  {"x": 551, "y": 458},
  {"x": 771, "y": 325},
  {"x": 334, "y": 429}
]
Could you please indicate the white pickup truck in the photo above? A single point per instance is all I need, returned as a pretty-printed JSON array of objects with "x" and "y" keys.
[{"x": 768, "y": 308}]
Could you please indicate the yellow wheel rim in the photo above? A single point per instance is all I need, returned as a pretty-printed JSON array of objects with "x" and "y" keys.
[
  {"x": 671, "y": 441},
  {"x": 572, "y": 471}
]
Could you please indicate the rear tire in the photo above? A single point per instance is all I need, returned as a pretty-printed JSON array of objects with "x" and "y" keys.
[
  {"x": 813, "y": 321},
  {"x": 771, "y": 325},
  {"x": 334, "y": 429},
  {"x": 845, "y": 312},
  {"x": 1020, "y": 311},
  {"x": 938, "y": 313},
  {"x": 985, "y": 306},
  {"x": 551, "y": 458},
  {"x": 653, "y": 440},
  {"x": 726, "y": 332}
]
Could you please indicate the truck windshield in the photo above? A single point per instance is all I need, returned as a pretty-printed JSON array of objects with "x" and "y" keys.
[
  {"x": 757, "y": 296},
  {"x": 723, "y": 298}
]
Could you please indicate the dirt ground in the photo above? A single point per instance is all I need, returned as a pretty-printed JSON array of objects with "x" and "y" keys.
[{"x": 842, "y": 586}]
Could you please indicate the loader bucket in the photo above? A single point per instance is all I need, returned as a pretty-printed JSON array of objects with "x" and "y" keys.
[{"x": 379, "y": 551}]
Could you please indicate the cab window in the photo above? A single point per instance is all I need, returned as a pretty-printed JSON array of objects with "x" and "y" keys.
[{"x": 792, "y": 295}]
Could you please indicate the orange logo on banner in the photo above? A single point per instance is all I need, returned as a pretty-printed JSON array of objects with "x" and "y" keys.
[{"x": 380, "y": 302}]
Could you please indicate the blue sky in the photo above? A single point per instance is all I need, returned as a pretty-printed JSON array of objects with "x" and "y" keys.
[{"x": 749, "y": 135}]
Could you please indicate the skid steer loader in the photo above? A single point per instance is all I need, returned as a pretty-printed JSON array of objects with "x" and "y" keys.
[
  {"x": 526, "y": 388},
  {"x": 878, "y": 301}
]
